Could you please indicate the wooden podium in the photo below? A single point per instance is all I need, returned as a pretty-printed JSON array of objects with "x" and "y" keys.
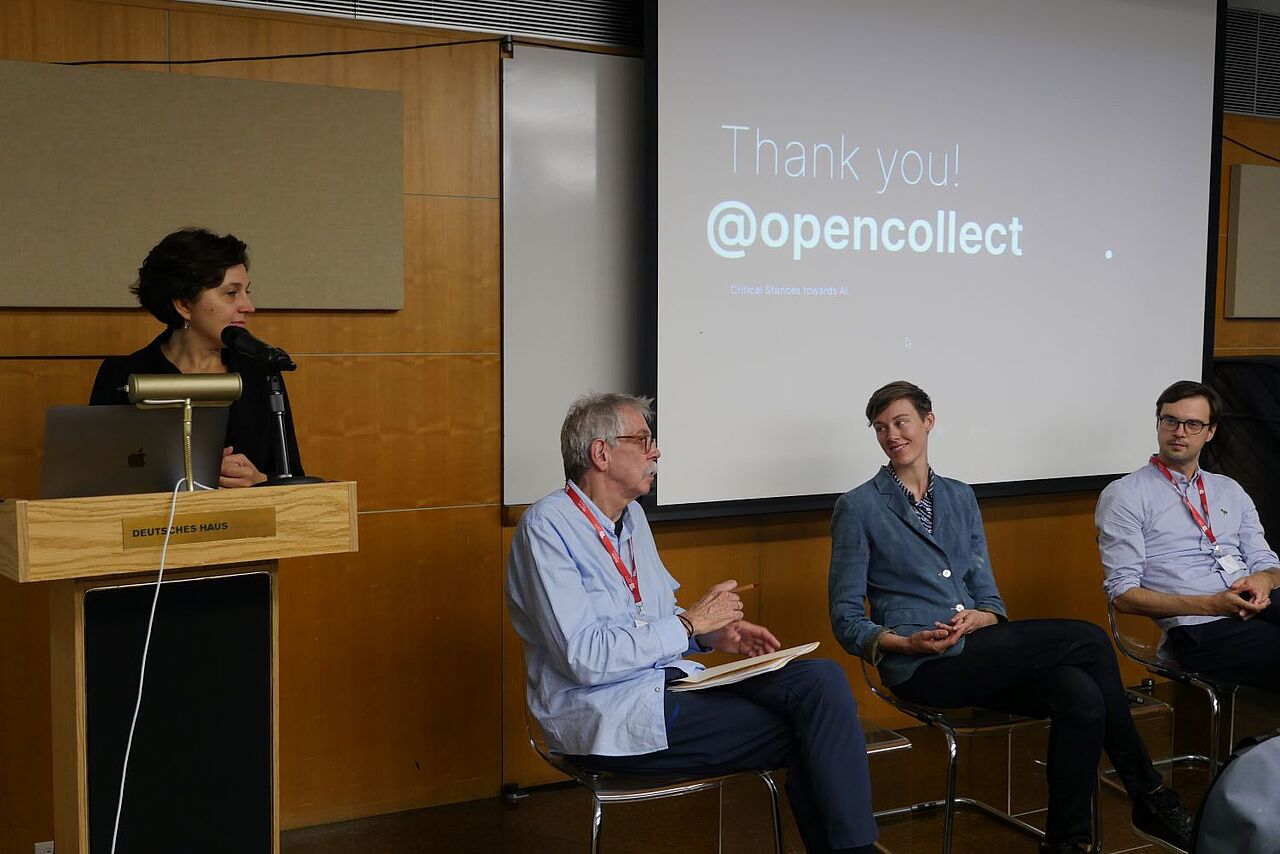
[{"x": 203, "y": 772}]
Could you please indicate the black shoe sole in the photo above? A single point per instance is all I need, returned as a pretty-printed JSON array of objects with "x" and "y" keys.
[{"x": 1155, "y": 840}]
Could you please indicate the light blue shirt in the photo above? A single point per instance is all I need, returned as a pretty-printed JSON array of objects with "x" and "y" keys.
[
  {"x": 1148, "y": 539},
  {"x": 594, "y": 661}
]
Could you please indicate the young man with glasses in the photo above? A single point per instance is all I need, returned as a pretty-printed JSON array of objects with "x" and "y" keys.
[
  {"x": 603, "y": 636},
  {"x": 1185, "y": 547}
]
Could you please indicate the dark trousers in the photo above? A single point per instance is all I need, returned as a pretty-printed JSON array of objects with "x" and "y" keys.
[
  {"x": 802, "y": 718},
  {"x": 1246, "y": 652},
  {"x": 1064, "y": 670}
]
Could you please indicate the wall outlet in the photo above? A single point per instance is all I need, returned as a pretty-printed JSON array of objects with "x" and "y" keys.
[{"x": 44, "y": 848}]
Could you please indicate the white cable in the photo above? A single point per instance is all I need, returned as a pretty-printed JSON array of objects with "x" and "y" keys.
[{"x": 142, "y": 671}]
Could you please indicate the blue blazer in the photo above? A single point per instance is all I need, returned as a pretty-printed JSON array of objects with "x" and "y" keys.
[{"x": 881, "y": 551}]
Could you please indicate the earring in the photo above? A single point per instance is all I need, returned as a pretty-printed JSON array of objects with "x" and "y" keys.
[{"x": 186, "y": 324}]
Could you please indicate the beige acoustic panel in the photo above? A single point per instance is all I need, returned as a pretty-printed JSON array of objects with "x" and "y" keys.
[
  {"x": 1253, "y": 244},
  {"x": 98, "y": 164}
]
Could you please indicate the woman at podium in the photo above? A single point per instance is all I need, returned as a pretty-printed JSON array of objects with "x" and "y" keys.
[{"x": 196, "y": 284}]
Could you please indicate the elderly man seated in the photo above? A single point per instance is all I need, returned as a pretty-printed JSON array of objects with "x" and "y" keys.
[{"x": 603, "y": 636}]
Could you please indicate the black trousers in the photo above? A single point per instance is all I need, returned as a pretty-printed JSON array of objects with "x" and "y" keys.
[
  {"x": 1064, "y": 670},
  {"x": 802, "y": 718},
  {"x": 1246, "y": 652}
]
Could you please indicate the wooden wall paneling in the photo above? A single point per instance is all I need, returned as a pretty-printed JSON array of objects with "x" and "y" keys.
[
  {"x": 1044, "y": 553},
  {"x": 453, "y": 120},
  {"x": 26, "y": 740},
  {"x": 454, "y": 260},
  {"x": 452, "y": 290},
  {"x": 391, "y": 670},
  {"x": 701, "y": 553},
  {"x": 75, "y": 30},
  {"x": 205, "y": 33},
  {"x": 414, "y": 431},
  {"x": 795, "y": 556},
  {"x": 28, "y": 387},
  {"x": 1242, "y": 337},
  {"x": 35, "y": 332}
]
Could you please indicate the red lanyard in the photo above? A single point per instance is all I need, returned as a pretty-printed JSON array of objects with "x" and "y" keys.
[
  {"x": 1205, "y": 527},
  {"x": 628, "y": 575}
]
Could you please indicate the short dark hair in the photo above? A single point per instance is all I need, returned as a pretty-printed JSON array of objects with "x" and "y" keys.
[
  {"x": 181, "y": 266},
  {"x": 897, "y": 390},
  {"x": 1183, "y": 389}
]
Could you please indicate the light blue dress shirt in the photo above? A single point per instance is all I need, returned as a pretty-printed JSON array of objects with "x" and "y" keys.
[
  {"x": 1148, "y": 539},
  {"x": 594, "y": 662}
]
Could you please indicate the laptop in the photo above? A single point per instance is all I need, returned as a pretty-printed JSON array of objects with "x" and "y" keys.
[{"x": 120, "y": 450}]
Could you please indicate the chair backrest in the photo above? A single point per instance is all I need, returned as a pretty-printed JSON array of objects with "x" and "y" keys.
[
  {"x": 538, "y": 738},
  {"x": 1137, "y": 637}
]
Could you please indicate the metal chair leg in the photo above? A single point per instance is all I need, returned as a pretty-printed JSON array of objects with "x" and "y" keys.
[
  {"x": 597, "y": 817},
  {"x": 777, "y": 810},
  {"x": 953, "y": 758},
  {"x": 1215, "y": 727}
]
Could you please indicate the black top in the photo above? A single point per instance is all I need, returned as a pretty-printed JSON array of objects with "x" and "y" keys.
[{"x": 250, "y": 424}]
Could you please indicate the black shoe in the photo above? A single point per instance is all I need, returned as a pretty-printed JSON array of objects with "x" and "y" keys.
[{"x": 1161, "y": 818}]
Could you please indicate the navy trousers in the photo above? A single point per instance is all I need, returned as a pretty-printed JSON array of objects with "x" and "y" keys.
[
  {"x": 1064, "y": 670},
  {"x": 802, "y": 718},
  {"x": 1245, "y": 652}
]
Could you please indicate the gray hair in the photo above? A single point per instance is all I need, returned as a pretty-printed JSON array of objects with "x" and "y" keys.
[{"x": 595, "y": 416}]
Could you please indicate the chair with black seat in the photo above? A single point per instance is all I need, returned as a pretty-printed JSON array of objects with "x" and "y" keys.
[
  {"x": 1138, "y": 639},
  {"x": 613, "y": 788},
  {"x": 954, "y": 723}
]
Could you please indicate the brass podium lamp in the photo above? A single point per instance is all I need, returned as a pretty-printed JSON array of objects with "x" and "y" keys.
[{"x": 164, "y": 391}]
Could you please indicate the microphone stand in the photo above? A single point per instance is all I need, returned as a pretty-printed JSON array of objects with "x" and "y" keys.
[{"x": 275, "y": 399}]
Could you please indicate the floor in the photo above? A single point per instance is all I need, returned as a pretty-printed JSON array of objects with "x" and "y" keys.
[{"x": 555, "y": 819}]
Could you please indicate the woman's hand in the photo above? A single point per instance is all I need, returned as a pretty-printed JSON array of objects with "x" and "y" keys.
[
  {"x": 923, "y": 642},
  {"x": 970, "y": 620},
  {"x": 237, "y": 470}
]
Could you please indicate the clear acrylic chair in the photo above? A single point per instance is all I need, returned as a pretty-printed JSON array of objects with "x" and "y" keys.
[
  {"x": 1138, "y": 639},
  {"x": 612, "y": 788},
  {"x": 953, "y": 724}
]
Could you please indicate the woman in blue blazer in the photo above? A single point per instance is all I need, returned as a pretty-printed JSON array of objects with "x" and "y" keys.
[{"x": 912, "y": 542}]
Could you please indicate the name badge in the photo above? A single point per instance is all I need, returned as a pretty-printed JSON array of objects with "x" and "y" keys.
[{"x": 1230, "y": 563}]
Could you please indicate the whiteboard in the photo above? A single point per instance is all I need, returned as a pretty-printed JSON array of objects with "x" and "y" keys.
[{"x": 572, "y": 219}]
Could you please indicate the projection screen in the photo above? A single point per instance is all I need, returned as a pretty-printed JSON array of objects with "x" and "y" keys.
[{"x": 1005, "y": 202}]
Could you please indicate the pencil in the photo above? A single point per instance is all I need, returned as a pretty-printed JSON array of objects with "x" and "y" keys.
[{"x": 742, "y": 588}]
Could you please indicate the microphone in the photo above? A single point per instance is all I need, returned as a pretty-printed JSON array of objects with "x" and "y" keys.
[{"x": 238, "y": 338}]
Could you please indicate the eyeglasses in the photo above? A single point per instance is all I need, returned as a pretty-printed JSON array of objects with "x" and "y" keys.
[
  {"x": 1170, "y": 424},
  {"x": 647, "y": 441}
]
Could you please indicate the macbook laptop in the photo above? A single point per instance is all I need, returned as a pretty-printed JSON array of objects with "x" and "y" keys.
[{"x": 118, "y": 450}]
